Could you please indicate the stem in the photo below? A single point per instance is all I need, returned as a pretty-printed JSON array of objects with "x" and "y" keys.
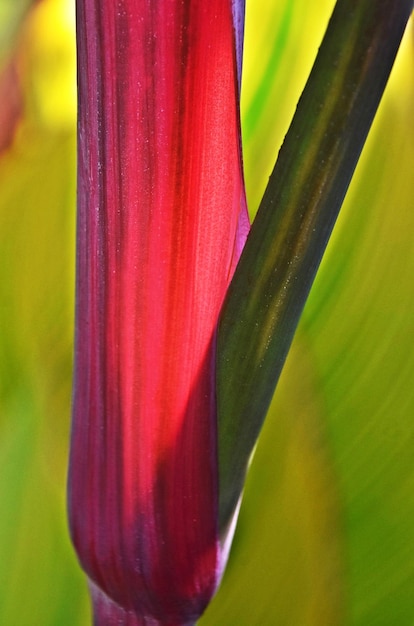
[
  {"x": 108, "y": 613},
  {"x": 295, "y": 219}
]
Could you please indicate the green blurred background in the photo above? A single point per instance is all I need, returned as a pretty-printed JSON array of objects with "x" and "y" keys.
[{"x": 326, "y": 532}]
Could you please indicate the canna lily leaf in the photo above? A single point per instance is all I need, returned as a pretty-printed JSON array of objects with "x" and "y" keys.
[
  {"x": 294, "y": 222},
  {"x": 352, "y": 361},
  {"x": 161, "y": 223}
]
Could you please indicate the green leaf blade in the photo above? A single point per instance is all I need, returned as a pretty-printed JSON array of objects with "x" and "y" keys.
[{"x": 294, "y": 222}]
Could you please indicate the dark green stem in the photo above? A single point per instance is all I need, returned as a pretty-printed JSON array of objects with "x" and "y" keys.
[{"x": 295, "y": 220}]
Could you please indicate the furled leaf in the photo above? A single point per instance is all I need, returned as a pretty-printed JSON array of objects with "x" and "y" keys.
[{"x": 161, "y": 222}]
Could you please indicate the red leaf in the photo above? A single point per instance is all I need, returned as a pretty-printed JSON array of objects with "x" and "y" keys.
[{"x": 161, "y": 223}]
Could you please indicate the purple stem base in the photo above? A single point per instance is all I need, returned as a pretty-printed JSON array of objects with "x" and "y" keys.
[{"x": 108, "y": 613}]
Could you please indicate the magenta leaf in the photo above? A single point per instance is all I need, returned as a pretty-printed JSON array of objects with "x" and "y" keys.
[{"x": 161, "y": 224}]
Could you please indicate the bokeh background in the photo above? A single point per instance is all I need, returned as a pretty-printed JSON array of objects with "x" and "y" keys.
[{"x": 326, "y": 532}]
